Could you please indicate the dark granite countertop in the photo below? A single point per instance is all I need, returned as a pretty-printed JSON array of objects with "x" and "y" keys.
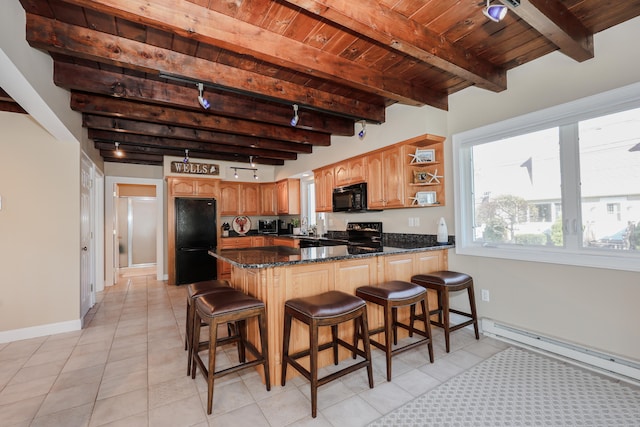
[{"x": 277, "y": 256}]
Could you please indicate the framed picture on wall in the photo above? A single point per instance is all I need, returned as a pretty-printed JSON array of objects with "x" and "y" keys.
[{"x": 424, "y": 156}]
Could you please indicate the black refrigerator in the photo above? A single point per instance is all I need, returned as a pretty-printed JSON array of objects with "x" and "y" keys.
[{"x": 196, "y": 234}]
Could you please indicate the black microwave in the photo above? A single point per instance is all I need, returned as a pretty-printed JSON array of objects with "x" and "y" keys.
[{"x": 352, "y": 198}]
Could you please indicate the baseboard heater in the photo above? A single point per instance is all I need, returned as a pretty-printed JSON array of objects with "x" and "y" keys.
[{"x": 592, "y": 359}]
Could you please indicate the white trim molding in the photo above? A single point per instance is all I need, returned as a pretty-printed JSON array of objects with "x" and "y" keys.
[{"x": 40, "y": 331}]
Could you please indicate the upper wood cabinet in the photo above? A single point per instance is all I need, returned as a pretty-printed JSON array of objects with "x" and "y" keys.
[
  {"x": 239, "y": 198},
  {"x": 288, "y": 196},
  {"x": 268, "y": 199},
  {"x": 229, "y": 203},
  {"x": 386, "y": 181},
  {"x": 323, "y": 179},
  {"x": 350, "y": 171},
  {"x": 192, "y": 186}
]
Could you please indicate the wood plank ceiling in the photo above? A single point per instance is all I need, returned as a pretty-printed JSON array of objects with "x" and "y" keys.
[{"x": 132, "y": 66}]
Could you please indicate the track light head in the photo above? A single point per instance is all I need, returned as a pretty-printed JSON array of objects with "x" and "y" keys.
[
  {"x": 186, "y": 156},
  {"x": 295, "y": 118},
  {"x": 255, "y": 175},
  {"x": 363, "y": 131},
  {"x": 235, "y": 173},
  {"x": 253, "y": 165},
  {"x": 496, "y": 13},
  {"x": 204, "y": 103},
  {"x": 118, "y": 152}
]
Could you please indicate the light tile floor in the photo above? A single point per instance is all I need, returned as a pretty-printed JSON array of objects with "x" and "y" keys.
[{"x": 128, "y": 368}]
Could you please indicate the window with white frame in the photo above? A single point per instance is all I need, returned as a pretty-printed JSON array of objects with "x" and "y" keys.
[{"x": 561, "y": 185}]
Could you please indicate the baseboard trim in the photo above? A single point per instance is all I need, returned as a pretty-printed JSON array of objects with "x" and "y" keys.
[
  {"x": 598, "y": 361},
  {"x": 40, "y": 331}
]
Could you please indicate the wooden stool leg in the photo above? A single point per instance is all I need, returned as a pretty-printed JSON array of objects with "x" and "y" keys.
[
  {"x": 313, "y": 366},
  {"x": 187, "y": 332},
  {"x": 427, "y": 327},
  {"x": 474, "y": 314},
  {"x": 262, "y": 322},
  {"x": 213, "y": 339},
  {"x": 367, "y": 344},
  {"x": 334, "y": 340},
  {"x": 285, "y": 347},
  {"x": 389, "y": 335},
  {"x": 196, "y": 325},
  {"x": 241, "y": 327},
  {"x": 445, "y": 317}
]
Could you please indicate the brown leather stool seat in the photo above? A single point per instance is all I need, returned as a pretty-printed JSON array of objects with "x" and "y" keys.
[
  {"x": 228, "y": 307},
  {"x": 391, "y": 295},
  {"x": 445, "y": 282},
  {"x": 194, "y": 291},
  {"x": 326, "y": 309}
]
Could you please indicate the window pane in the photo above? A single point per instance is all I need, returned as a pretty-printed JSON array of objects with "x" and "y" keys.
[
  {"x": 610, "y": 175},
  {"x": 516, "y": 184}
]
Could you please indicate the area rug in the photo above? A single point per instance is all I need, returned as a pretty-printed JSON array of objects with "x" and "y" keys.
[{"x": 520, "y": 388}]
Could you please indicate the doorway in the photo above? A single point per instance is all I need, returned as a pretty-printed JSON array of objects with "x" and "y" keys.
[
  {"x": 136, "y": 222},
  {"x": 144, "y": 198}
]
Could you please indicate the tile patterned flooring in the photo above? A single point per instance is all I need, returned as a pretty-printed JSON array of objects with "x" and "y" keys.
[{"x": 128, "y": 368}]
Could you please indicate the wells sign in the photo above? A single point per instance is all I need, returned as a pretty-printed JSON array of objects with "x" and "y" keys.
[{"x": 195, "y": 168}]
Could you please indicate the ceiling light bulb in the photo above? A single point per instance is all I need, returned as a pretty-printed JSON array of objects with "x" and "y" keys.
[
  {"x": 253, "y": 165},
  {"x": 363, "y": 131},
  {"x": 235, "y": 173},
  {"x": 118, "y": 152},
  {"x": 204, "y": 103},
  {"x": 255, "y": 175},
  {"x": 496, "y": 12},
  {"x": 295, "y": 118}
]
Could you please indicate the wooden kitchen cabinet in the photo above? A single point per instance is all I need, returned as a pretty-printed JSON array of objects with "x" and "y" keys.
[
  {"x": 351, "y": 171},
  {"x": 239, "y": 198},
  {"x": 323, "y": 179},
  {"x": 268, "y": 199},
  {"x": 386, "y": 185},
  {"x": 288, "y": 196},
  {"x": 286, "y": 241},
  {"x": 192, "y": 187},
  {"x": 224, "y": 268}
]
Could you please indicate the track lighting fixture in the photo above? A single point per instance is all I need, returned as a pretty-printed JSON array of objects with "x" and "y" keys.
[
  {"x": 295, "y": 118},
  {"x": 495, "y": 12},
  {"x": 118, "y": 152},
  {"x": 235, "y": 172},
  {"x": 253, "y": 165},
  {"x": 363, "y": 131},
  {"x": 204, "y": 103},
  {"x": 186, "y": 156}
]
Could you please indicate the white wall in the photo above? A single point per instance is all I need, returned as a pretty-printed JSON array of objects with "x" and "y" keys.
[
  {"x": 592, "y": 307},
  {"x": 39, "y": 227}
]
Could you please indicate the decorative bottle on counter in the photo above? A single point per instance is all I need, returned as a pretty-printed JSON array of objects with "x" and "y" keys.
[{"x": 443, "y": 234}]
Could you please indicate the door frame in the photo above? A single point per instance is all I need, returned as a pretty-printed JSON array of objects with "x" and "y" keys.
[{"x": 110, "y": 220}]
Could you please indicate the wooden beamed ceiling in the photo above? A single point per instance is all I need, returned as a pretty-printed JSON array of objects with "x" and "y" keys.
[{"x": 133, "y": 66}]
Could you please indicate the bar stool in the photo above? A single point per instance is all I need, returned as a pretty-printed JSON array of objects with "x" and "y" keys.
[
  {"x": 327, "y": 309},
  {"x": 391, "y": 295},
  {"x": 194, "y": 291},
  {"x": 228, "y": 307},
  {"x": 445, "y": 282}
]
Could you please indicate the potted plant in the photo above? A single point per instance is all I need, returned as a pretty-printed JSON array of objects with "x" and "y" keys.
[{"x": 295, "y": 223}]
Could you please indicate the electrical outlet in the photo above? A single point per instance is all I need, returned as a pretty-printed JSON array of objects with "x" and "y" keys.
[
  {"x": 485, "y": 295},
  {"x": 416, "y": 221}
]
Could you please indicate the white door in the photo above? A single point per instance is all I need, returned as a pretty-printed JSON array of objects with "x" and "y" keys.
[{"x": 86, "y": 243}]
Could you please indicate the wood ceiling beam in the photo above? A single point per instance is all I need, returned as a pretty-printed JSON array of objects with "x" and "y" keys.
[
  {"x": 132, "y": 157},
  {"x": 103, "y": 126},
  {"x": 208, "y": 26},
  {"x": 86, "y": 79},
  {"x": 105, "y": 106},
  {"x": 11, "y": 107},
  {"x": 196, "y": 147},
  {"x": 555, "y": 22},
  {"x": 136, "y": 152},
  {"x": 71, "y": 40},
  {"x": 374, "y": 20}
]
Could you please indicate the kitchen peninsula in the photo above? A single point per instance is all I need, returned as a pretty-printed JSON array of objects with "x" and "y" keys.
[{"x": 275, "y": 274}]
